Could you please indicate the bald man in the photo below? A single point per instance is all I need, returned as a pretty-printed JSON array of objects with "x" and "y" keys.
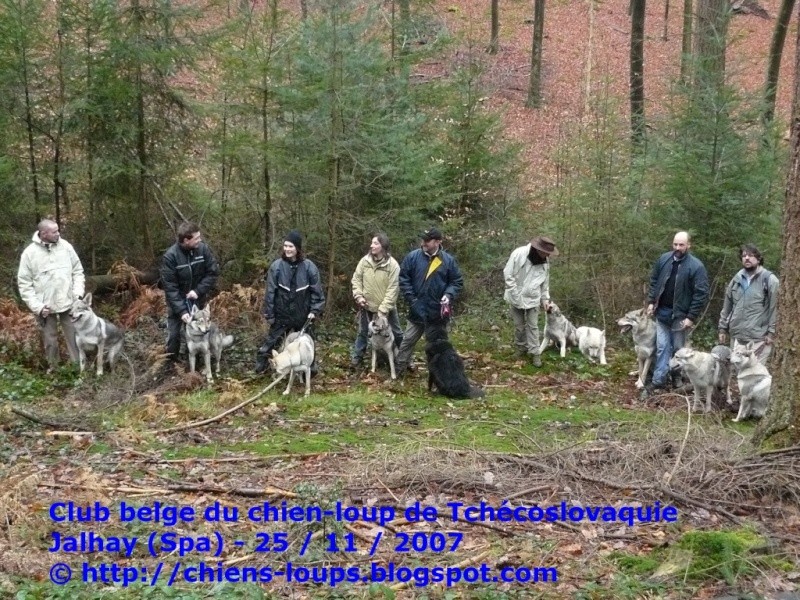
[
  {"x": 678, "y": 294},
  {"x": 50, "y": 278}
]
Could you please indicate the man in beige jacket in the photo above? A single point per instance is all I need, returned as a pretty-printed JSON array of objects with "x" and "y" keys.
[
  {"x": 527, "y": 276},
  {"x": 50, "y": 278},
  {"x": 375, "y": 290}
]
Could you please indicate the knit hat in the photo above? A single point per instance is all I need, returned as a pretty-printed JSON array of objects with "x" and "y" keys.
[{"x": 295, "y": 238}]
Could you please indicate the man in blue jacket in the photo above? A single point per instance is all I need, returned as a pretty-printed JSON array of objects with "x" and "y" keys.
[
  {"x": 678, "y": 294},
  {"x": 430, "y": 281},
  {"x": 189, "y": 273}
]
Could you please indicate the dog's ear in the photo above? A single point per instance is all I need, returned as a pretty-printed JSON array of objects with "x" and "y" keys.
[
  {"x": 193, "y": 311},
  {"x": 87, "y": 298},
  {"x": 275, "y": 354},
  {"x": 207, "y": 312},
  {"x": 749, "y": 347}
]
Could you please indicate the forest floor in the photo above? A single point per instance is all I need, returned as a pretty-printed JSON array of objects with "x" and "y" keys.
[
  {"x": 586, "y": 60},
  {"x": 571, "y": 434}
]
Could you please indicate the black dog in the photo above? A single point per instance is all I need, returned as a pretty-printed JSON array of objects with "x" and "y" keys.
[{"x": 445, "y": 367}]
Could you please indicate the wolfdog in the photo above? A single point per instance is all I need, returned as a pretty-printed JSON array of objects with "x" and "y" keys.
[
  {"x": 445, "y": 367},
  {"x": 754, "y": 382},
  {"x": 592, "y": 343},
  {"x": 558, "y": 329},
  {"x": 702, "y": 369},
  {"x": 203, "y": 336},
  {"x": 722, "y": 372},
  {"x": 92, "y": 332},
  {"x": 381, "y": 339},
  {"x": 643, "y": 331},
  {"x": 296, "y": 357}
]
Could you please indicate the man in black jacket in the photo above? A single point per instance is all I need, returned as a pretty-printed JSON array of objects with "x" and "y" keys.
[
  {"x": 189, "y": 272},
  {"x": 678, "y": 294}
]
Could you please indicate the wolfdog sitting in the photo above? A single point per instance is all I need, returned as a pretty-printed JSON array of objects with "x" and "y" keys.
[
  {"x": 92, "y": 332},
  {"x": 381, "y": 339},
  {"x": 754, "y": 380},
  {"x": 643, "y": 331},
  {"x": 592, "y": 343},
  {"x": 297, "y": 356},
  {"x": 558, "y": 329},
  {"x": 445, "y": 367},
  {"x": 203, "y": 336}
]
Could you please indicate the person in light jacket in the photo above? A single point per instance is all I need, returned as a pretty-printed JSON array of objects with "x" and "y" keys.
[
  {"x": 50, "y": 278},
  {"x": 750, "y": 311},
  {"x": 527, "y": 277},
  {"x": 376, "y": 287}
]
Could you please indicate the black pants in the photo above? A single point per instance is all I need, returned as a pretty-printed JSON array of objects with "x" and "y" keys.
[{"x": 174, "y": 326}]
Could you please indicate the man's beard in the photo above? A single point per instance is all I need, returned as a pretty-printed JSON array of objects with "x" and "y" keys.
[
  {"x": 678, "y": 254},
  {"x": 752, "y": 269}
]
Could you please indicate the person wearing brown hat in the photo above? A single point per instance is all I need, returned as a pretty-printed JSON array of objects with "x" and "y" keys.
[{"x": 527, "y": 277}]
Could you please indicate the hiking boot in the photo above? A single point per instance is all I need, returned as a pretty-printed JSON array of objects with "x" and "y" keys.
[
  {"x": 355, "y": 363},
  {"x": 651, "y": 389},
  {"x": 536, "y": 360},
  {"x": 261, "y": 365}
]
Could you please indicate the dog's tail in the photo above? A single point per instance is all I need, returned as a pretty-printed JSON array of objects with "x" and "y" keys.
[{"x": 227, "y": 341}]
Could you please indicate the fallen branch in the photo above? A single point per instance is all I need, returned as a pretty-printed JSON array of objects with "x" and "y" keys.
[
  {"x": 220, "y": 416},
  {"x": 246, "y": 492},
  {"x": 37, "y": 419}
]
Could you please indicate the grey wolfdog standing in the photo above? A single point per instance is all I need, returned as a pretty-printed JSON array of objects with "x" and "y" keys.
[
  {"x": 203, "y": 336},
  {"x": 93, "y": 332},
  {"x": 643, "y": 331}
]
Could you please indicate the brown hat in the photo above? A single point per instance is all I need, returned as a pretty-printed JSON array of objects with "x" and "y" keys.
[{"x": 545, "y": 244}]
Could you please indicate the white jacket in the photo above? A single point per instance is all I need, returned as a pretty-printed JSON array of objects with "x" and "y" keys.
[
  {"x": 527, "y": 285},
  {"x": 50, "y": 275}
]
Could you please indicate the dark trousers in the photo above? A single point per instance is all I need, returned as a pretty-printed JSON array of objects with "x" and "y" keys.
[{"x": 174, "y": 326}]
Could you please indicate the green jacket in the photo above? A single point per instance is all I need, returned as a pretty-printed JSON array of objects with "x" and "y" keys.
[
  {"x": 750, "y": 314},
  {"x": 378, "y": 282}
]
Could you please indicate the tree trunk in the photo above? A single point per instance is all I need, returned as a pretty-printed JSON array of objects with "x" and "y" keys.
[
  {"x": 494, "y": 40},
  {"x": 141, "y": 138},
  {"x": 775, "y": 54},
  {"x": 783, "y": 413},
  {"x": 710, "y": 41},
  {"x": 666, "y": 21},
  {"x": 686, "y": 39},
  {"x": 101, "y": 284},
  {"x": 59, "y": 187},
  {"x": 535, "y": 84},
  {"x": 637, "y": 72},
  {"x": 405, "y": 25}
]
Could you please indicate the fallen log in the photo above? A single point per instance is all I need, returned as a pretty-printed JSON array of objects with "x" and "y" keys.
[{"x": 114, "y": 282}]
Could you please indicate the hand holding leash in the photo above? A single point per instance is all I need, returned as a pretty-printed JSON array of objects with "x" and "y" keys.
[
  {"x": 192, "y": 295},
  {"x": 186, "y": 318}
]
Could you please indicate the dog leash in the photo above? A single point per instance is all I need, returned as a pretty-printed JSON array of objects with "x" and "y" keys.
[{"x": 305, "y": 325}]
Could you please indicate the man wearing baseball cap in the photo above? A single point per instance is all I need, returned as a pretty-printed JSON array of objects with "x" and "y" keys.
[
  {"x": 429, "y": 281},
  {"x": 527, "y": 276}
]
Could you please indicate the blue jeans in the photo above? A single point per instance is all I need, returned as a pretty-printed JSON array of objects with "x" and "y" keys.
[
  {"x": 364, "y": 317},
  {"x": 668, "y": 342}
]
